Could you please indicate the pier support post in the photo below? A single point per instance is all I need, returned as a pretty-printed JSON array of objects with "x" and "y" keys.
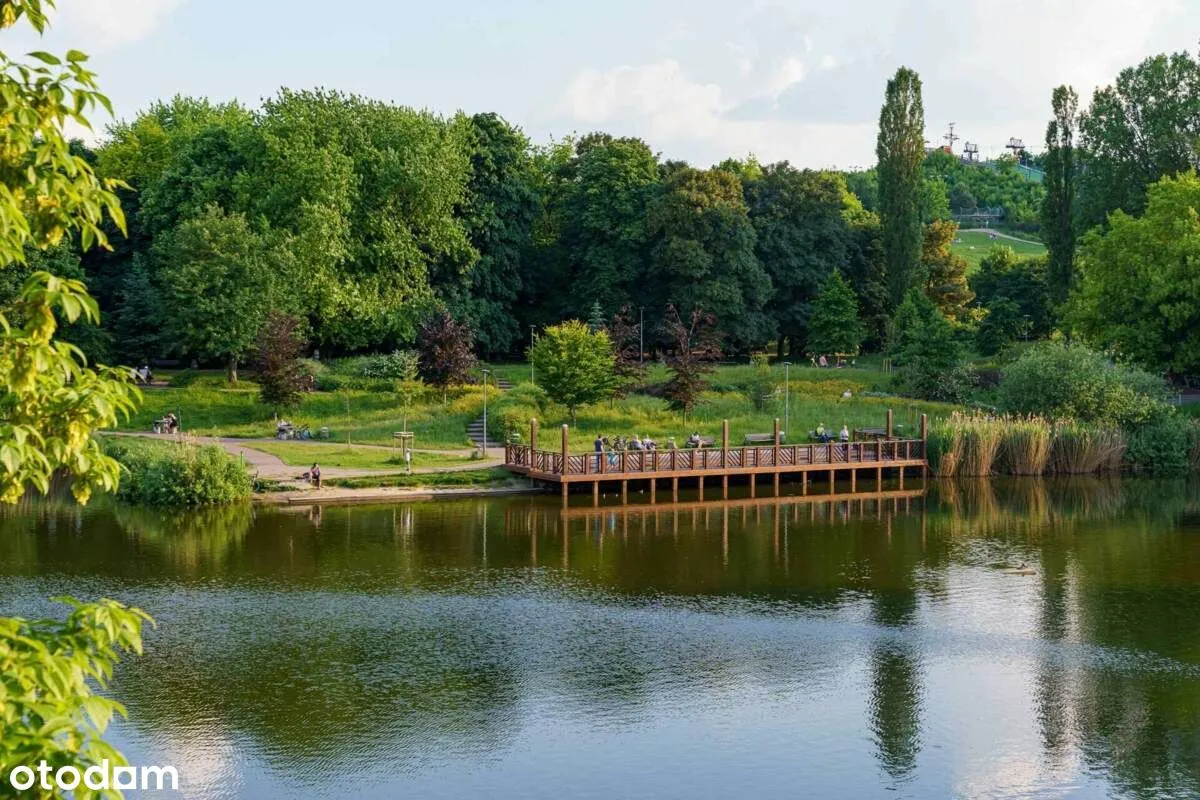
[
  {"x": 753, "y": 484},
  {"x": 595, "y": 493},
  {"x": 701, "y": 488},
  {"x": 879, "y": 479},
  {"x": 777, "y": 484},
  {"x": 564, "y": 493},
  {"x": 624, "y": 492},
  {"x": 924, "y": 443},
  {"x": 724, "y": 487},
  {"x": 901, "y": 477},
  {"x": 674, "y": 490},
  {"x": 832, "y": 480},
  {"x": 853, "y": 479},
  {"x": 804, "y": 483},
  {"x": 653, "y": 491}
]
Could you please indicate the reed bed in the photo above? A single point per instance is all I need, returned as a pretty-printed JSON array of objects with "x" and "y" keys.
[{"x": 978, "y": 445}]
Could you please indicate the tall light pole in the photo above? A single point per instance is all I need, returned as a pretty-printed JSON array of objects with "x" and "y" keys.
[
  {"x": 787, "y": 396},
  {"x": 531, "y": 380},
  {"x": 641, "y": 327},
  {"x": 485, "y": 430}
]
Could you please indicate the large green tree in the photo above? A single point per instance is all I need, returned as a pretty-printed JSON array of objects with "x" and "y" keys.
[
  {"x": 498, "y": 211},
  {"x": 1058, "y": 207},
  {"x": 218, "y": 280},
  {"x": 835, "y": 328},
  {"x": 925, "y": 353},
  {"x": 610, "y": 186},
  {"x": 1138, "y": 290},
  {"x": 803, "y": 236},
  {"x": 1143, "y": 126},
  {"x": 1003, "y": 276},
  {"x": 704, "y": 256},
  {"x": 574, "y": 365},
  {"x": 900, "y": 149}
]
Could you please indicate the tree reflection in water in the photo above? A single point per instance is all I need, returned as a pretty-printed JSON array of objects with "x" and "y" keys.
[{"x": 433, "y": 633}]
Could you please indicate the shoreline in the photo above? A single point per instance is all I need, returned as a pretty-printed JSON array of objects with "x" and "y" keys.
[{"x": 383, "y": 494}]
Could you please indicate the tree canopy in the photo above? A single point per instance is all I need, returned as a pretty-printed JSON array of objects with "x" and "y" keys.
[{"x": 574, "y": 364}]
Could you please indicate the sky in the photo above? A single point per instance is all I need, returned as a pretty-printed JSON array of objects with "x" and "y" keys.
[{"x": 699, "y": 80}]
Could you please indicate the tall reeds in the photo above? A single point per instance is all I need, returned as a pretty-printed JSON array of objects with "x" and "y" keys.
[
  {"x": 977, "y": 445},
  {"x": 1024, "y": 446},
  {"x": 1078, "y": 449}
]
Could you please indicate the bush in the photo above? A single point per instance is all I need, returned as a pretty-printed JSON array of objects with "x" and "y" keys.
[
  {"x": 1162, "y": 446},
  {"x": 177, "y": 474},
  {"x": 335, "y": 382},
  {"x": 1072, "y": 381},
  {"x": 512, "y": 411},
  {"x": 400, "y": 365}
]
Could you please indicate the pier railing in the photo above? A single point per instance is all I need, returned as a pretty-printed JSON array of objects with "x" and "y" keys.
[{"x": 699, "y": 460}]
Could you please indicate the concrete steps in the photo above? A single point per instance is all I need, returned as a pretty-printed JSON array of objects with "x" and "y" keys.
[{"x": 475, "y": 429}]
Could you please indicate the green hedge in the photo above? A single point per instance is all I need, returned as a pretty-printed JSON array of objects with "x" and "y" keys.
[{"x": 177, "y": 474}]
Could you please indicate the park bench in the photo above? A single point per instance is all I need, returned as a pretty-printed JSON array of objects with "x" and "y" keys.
[{"x": 760, "y": 439}]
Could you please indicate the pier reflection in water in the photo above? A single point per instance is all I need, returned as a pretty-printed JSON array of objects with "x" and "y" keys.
[{"x": 875, "y": 645}]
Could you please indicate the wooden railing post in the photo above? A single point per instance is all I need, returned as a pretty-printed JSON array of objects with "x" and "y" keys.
[
  {"x": 924, "y": 432},
  {"x": 775, "y": 455},
  {"x": 889, "y": 423},
  {"x": 565, "y": 467},
  {"x": 724, "y": 441},
  {"x": 532, "y": 435}
]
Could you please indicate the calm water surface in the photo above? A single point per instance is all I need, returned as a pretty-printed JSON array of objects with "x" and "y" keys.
[{"x": 780, "y": 648}]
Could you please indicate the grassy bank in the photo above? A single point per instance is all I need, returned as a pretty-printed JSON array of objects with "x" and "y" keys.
[
  {"x": 365, "y": 417},
  {"x": 334, "y": 454},
  {"x": 492, "y": 478}
]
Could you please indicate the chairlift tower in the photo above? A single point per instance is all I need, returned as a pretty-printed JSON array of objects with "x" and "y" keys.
[
  {"x": 1016, "y": 146},
  {"x": 951, "y": 138},
  {"x": 970, "y": 152}
]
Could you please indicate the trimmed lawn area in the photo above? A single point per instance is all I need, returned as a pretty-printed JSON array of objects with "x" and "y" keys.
[
  {"x": 974, "y": 245},
  {"x": 333, "y": 454},
  {"x": 368, "y": 417}
]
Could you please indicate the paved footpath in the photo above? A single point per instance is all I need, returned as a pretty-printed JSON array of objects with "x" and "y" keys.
[{"x": 266, "y": 465}]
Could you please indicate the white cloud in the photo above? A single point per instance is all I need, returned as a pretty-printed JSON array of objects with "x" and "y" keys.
[
  {"x": 112, "y": 23},
  {"x": 805, "y": 81}
]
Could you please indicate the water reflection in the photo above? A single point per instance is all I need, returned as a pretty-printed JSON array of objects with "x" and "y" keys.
[{"x": 511, "y": 648}]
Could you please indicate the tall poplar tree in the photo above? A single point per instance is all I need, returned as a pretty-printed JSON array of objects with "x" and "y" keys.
[
  {"x": 901, "y": 152},
  {"x": 1058, "y": 227}
]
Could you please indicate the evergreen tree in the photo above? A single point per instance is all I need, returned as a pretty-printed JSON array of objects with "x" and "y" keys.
[
  {"x": 834, "y": 327},
  {"x": 923, "y": 349},
  {"x": 901, "y": 152},
  {"x": 1058, "y": 227},
  {"x": 945, "y": 272},
  {"x": 596, "y": 317}
]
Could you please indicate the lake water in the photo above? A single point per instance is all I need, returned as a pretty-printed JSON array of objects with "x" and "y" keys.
[{"x": 884, "y": 647}]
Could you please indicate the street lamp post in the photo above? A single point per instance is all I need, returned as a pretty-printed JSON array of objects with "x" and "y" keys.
[
  {"x": 531, "y": 379},
  {"x": 641, "y": 327},
  {"x": 485, "y": 429},
  {"x": 787, "y": 396}
]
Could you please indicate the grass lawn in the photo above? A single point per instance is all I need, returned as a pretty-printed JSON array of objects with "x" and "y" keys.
[
  {"x": 974, "y": 245},
  {"x": 333, "y": 454},
  {"x": 739, "y": 393},
  {"x": 495, "y": 477},
  {"x": 367, "y": 417}
]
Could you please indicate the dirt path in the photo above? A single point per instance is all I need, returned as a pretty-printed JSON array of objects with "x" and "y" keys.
[{"x": 266, "y": 465}]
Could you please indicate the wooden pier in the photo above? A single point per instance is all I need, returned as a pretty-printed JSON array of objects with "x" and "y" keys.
[{"x": 854, "y": 459}]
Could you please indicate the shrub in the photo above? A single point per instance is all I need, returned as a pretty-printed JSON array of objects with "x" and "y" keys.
[
  {"x": 1161, "y": 446},
  {"x": 177, "y": 474},
  {"x": 927, "y": 357},
  {"x": 1194, "y": 447},
  {"x": 1072, "y": 381},
  {"x": 400, "y": 365}
]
